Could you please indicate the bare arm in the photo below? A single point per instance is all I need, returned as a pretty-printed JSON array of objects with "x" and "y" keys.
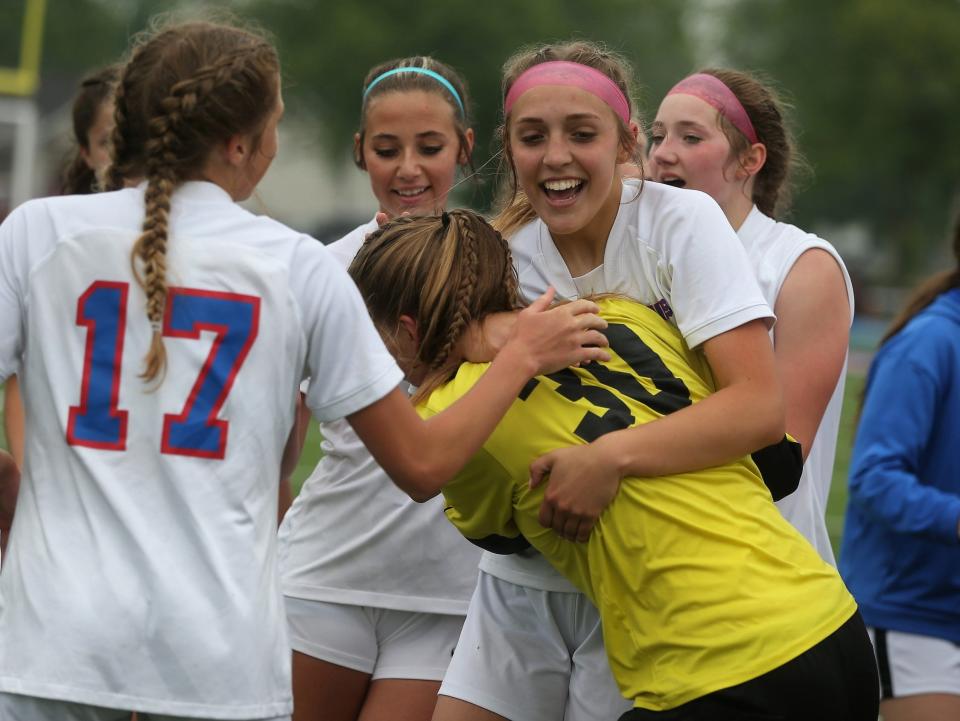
[
  {"x": 422, "y": 455},
  {"x": 14, "y": 418},
  {"x": 291, "y": 456},
  {"x": 745, "y": 414},
  {"x": 810, "y": 340},
  {"x": 9, "y": 487}
]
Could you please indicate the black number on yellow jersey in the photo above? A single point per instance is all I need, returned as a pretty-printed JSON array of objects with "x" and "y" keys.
[{"x": 673, "y": 394}]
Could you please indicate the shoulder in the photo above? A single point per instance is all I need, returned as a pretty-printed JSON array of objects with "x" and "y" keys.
[
  {"x": 665, "y": 214},
  {"x": 346, "y": 247},
  {"x": 930, "y": 342},
  {"x": 447, "y": 394}
]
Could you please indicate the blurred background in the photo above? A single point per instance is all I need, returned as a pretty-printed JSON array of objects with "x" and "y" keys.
[{"x": 874, "y": 85}]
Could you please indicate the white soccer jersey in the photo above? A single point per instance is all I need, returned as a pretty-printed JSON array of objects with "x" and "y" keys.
[
  {"x": 671, "y": 249},
  {"x": 353, "y": 537},
  {"x": 773, "y": 248},
  {"x": 141, "y": 570}
]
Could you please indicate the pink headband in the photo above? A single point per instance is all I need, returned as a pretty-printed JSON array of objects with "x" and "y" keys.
[
  {"x": 560, "y": 72},
  {"x": 714, "y": 91}
]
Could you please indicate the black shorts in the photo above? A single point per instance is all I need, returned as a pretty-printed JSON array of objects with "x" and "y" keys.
[{"x": 836, "y": 680}]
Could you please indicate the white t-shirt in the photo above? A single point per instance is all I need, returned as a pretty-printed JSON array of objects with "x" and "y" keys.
[
  {"x": 141, "y": 572},
  {"x": 773, "y": 248},
  {"x": 353, "y": 537},
  {"x": 671, "y": 249}
]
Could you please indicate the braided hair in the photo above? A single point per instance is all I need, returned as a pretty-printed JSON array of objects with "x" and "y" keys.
[
  {"x": 185, "y": 87},
  {"x": 446, "y": 271}
]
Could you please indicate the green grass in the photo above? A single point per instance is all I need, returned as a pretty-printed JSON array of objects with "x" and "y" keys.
[
  {"x": 837, "y": 504},
  {"x": 838, "y": 491}
]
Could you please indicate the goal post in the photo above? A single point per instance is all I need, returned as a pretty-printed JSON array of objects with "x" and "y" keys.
[{"x": 21, "y": 80}]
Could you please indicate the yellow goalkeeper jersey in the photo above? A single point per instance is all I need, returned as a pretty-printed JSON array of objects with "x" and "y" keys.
[{"x": 700, "y": 582}]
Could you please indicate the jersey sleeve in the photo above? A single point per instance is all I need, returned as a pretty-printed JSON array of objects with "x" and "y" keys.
[
  {"x": 713, "y": 286},
  {"x": 479, "y": 502},
  {"x": 348, "y": 365},
  {"x": 11, "y": 293},
  {"x": 899, "y": 411}
]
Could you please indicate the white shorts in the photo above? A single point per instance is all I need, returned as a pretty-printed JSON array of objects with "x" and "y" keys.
[
  {"x": 379, "y": 641},
  {"x": 14, "y": 707},
  {"x": 533, "y": 655},
  {"x": 911, "y": 664}
]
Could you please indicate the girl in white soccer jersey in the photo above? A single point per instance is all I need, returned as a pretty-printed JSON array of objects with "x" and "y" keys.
[
  {"x": 579, "y": 227},
  {"x": 724, "y": 133},
  {"x": 152, "y": 327},
  {"x": 711, "y": 602},
  {"x": 377, "y": 585}
]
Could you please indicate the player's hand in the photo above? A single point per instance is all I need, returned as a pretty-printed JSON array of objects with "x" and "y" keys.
[
  {"x": 554, "y": 338},
  {"x": 382, "y": 218},
  {"x": 581, "y": 483}
]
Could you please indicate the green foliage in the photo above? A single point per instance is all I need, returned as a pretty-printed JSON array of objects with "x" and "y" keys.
[
  {"x": 875, "y": 87},
  {"x": 327, "y": 53}
]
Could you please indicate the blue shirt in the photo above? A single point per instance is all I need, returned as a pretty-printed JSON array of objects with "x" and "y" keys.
[{"x": 901, "y": 553}]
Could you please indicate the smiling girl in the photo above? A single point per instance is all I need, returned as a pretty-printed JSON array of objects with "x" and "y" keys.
[
  {"x": 576, "y": 225},
  {"x": 724, "y": 133},
  {"x": 377, "y": 585}
]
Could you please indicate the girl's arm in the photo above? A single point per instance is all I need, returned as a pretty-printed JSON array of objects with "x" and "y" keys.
[
  {"x": 422, "y": 455},
  {"x": 13, "y": 418},
  {"x": 291, "y": 456},
  {"x": 810, "y": 340},
  {"x": 9, "y": 486},
  {"x": 898, "y": 421},
  {"x": 745, "y": 414}
]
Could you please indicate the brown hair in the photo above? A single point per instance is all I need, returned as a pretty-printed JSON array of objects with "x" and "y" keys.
[
  {"x": 78, "y": 177},
  {"x": 928, "y": 290},
  {"x": 772, "y": 186},
  {"x": 408, "y": 82},
  {"x": 445, "y": 272},
  {"x": 185, "y": 87},
  {"x": 514, "y": 207}
]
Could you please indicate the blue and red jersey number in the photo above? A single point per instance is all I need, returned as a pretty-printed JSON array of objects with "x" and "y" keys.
[
  {"x": 235, "y": 319},
  {"x": 98, "y": 422}
]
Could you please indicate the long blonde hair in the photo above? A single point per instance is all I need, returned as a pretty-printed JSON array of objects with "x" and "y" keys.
[{"x": 444, "y": 271}]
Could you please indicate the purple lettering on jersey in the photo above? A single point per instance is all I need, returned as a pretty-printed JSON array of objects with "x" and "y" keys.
[{"x": 663, "y": 308}]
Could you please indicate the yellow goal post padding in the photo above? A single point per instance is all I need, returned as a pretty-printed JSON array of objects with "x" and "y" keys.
[{"x": 22, "y": 80}]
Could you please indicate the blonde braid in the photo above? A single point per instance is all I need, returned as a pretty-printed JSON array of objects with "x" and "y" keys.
[
  {"x": 463, "y": 309},
  {"x": 151, "y": 246}
]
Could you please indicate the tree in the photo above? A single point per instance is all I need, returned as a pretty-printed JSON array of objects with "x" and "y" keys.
[
  {"x": 326, "y": 54},
  {"x": 874, "y": 82}
]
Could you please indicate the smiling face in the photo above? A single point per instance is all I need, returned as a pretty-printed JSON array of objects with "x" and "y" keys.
[
  {"x": 565, "y": 146},
  {"x": 411, "y": 151},
  {"x": 688, "y": 149}
]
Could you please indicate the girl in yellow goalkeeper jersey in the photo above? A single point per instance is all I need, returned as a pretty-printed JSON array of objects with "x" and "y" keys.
[{"x": 713, "y": 606}]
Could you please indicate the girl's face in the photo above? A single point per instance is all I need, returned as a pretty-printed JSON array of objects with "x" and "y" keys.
[
  {"x": 263, "y": 150},
  {"x": 565, "y": 146},
  {"x": 96, "y": 154},
  {"x": 689, "y": 150},
  {"x": 411, "y": 151}
]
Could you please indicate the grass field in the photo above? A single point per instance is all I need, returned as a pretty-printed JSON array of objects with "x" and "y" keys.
[{"x": 838, "y": 491}]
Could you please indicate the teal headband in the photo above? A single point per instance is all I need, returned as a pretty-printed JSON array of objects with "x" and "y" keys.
[{"x": 420, "y": 71}]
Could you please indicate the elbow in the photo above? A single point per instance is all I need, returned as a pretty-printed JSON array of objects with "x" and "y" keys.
[{"x": 418, "y": 479}]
